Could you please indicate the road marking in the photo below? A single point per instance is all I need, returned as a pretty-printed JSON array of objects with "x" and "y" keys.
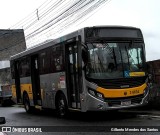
[{"x": 155, "y": 117}]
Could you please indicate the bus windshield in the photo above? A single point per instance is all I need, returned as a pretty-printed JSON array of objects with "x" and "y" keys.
[{"x": 109, "y": 60}]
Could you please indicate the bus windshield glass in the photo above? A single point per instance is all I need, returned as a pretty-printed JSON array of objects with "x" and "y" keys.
[{"x": 114, "y": 59}]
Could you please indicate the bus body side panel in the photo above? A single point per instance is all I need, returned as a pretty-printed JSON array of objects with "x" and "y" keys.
[
  {"x": 83, "y": 95},
  {"x": 50, "y": 84},
  {"x": 26, "y": 86}
]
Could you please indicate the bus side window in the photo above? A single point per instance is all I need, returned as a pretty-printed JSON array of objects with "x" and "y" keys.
[
  {"x": 24, "y": 67},
  {"x": 44, "y": 62},
  {"x": 57, "y": 63},
  {"x": 53, "y": 55}
]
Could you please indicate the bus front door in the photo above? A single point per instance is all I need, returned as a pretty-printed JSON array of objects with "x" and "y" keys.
[
  {"x": 72, "y": 75},
  {"x": 35, "y": 80}
]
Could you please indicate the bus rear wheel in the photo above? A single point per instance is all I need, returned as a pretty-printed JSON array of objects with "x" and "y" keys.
[
  {"x": 61, "y": 106},
  {"x": 26, "y": 102}
]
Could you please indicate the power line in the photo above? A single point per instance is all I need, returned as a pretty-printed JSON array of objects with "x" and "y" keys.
[
  {"x": 62, "y": 16},
  {"x": 51, "y": 22},
  {"x": 73, "y": 21},
  {"x": 31, "y": 16},
  {"x": 48, "y": 24}
]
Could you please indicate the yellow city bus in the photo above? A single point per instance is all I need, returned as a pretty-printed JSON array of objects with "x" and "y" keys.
[{"x": 92, "y": 69}]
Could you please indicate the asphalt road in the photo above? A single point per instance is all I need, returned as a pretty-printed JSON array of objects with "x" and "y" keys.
[{"x": 81, "y": 123}]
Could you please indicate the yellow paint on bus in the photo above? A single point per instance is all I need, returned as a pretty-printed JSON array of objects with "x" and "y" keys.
[
  {"x": 13, "y": 87},
  {"x": 24, "y": 87},
  {"x": 137, "y": 73},
  {"x": 28, "y": 89},
  {"x": 127, "y": 92}
]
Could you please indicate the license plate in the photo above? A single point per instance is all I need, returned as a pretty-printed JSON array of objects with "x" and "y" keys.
[{"x": 126, "y": 103}]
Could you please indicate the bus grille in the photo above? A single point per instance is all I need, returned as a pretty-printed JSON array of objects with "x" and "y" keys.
[
  {"x": 117, "y": 101},
  {"x": 118, "y": 83}
]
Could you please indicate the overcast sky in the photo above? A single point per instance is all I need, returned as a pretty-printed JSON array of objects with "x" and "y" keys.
[{"x": 139, "y": 13}]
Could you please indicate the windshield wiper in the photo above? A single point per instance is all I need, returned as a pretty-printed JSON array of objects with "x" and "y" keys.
[
  {"x": 111, "y": 51},
  {"x": 98, "y": 58},
  {"x": 127, "y": 56},
  {"x": 115, "y": 60}
]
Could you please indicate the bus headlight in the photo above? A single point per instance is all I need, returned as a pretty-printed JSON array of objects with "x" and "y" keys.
[
  {"x": 99, "y": 95},
  {"x": 95, "y": 94}
]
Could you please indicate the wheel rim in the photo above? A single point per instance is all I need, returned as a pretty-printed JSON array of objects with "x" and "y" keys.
[
  {"x": 26, "y": 106},
  {"x": 61, "y": 107}
]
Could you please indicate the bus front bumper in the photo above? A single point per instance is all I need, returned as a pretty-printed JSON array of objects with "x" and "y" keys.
[{"x": 94, "y": 104}]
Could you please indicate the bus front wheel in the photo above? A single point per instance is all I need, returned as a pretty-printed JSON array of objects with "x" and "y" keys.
[{"x": 61, "y": 106}]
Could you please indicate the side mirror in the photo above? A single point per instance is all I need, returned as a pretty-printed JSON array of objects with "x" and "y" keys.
[
  {"x": 84, "y": 55},
  {"x": 150, "y": 76},
  {"x": 148, "y": 67},
  {"x": 2, "y": 120}
]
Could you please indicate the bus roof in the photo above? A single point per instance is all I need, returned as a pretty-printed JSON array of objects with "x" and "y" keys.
[
  {"x": 46, "y": 44},
  {"x": 51, "y": 42}
]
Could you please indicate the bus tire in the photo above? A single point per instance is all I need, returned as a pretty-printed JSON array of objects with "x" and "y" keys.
[
  {"x": 1, "y": 102},
  {"x": 26, "y": 103},
  {"x": 61, "y": 106}
]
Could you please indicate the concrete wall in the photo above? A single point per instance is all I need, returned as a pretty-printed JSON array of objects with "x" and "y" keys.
[
  {"x": 5, "y": 76},
  {"x": 11, "y": 43}
]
